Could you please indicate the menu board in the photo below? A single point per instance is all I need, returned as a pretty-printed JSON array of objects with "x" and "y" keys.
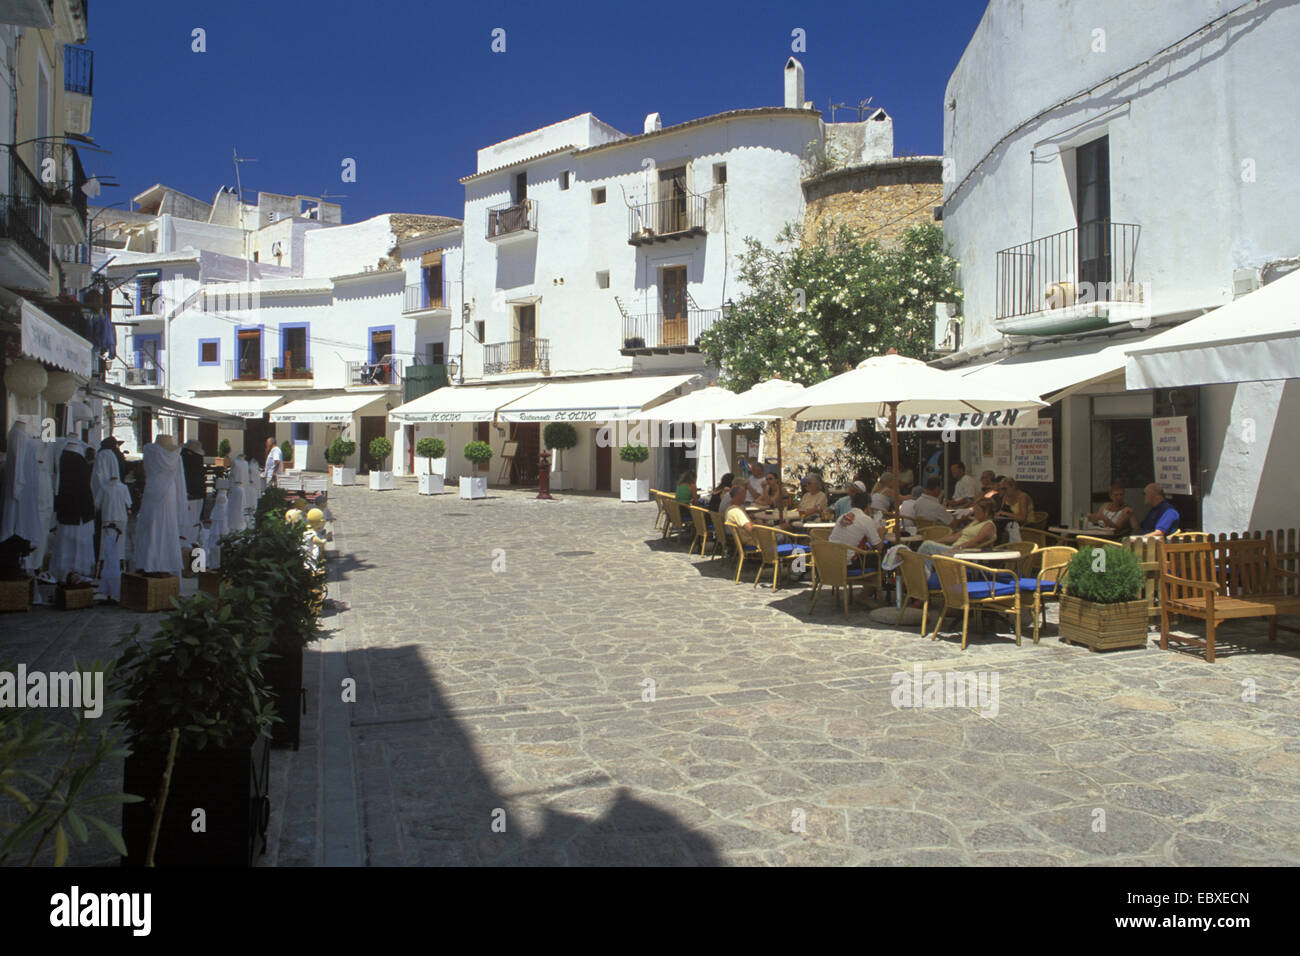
[
  {"x": 1169, "y": 449},
  {"x": 1031, "y": 453}
]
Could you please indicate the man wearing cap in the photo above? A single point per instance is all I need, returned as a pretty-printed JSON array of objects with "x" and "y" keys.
[
  {"x": 195, "y": 491},
  {"x": 843, "y": 505},
  {"x": 274, "y": 458}
]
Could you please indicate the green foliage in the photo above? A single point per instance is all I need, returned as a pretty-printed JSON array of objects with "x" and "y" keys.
[
  {"x": 559, "y": 436},
  {"x": 633, "y": 455},
  {"x": 430, "y": 448},
  {"x": 46, "y": 768},
  {"x": 1104, "y": 575},
  {"x": 380, "y": 449},
  {"x": 201, "y": 673},
  {"x": 286, "y": 451},
  {"x": 860, "y": 299},
  {"x": 223, "y": 448},
  {"x": 478, "y": 451},
  {"x": 273, "y": 503},
  {"x": 340, "y": 450},
  {"x": 268, "y": 561}
]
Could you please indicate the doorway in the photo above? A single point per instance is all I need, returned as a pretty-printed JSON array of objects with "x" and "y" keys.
[
  {"x": 208, "y": 438},
  {"x": 482, "y": 434},
  {"x": 372, "y": 427},
  {"x": 523, "y": 469},
  {"x": 525, "y": 330},
  {"x": 1092, "y": 208},
  {"x": 408, "y": 434},
  {"x": 672, "y": 303},
  {"x": 672, "y": 200},
  {"x": 604, "y": 463},
  {"x": 256, "y": 432}
]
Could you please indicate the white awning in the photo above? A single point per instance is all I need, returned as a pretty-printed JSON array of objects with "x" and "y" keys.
[
  {"x": 597, "y": 400},
  {"x": 1253, "y": 339},
  {"x": 49, "y": 340},
  {"x": 465, "y": 403},
  {"x": 163, "y": 406},
  {"x": 240, "y": 405},
  {"x": 1053, "y": 373},
  {"x": 334, "y": 408}
]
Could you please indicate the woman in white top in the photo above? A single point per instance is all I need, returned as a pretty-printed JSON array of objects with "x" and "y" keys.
[
  {"x": 883, "y": 495},
  {"x": 1114, "y": 513}
]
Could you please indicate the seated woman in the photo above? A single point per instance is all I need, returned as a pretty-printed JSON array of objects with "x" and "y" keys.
[
  {"x": 978, "y": 534},
  {"x": 721, "y": 493},
  {"x": 884, "y": 493},
  {"x": 814, "y": 500},
  {"x": 772, "y": 495},
  {"x": 1016, "y": 506},
  {"x": 686, "y": 491},
  {"x": 1114, "y": 513}
]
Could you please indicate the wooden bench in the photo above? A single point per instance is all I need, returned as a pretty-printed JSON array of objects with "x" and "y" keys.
[{"x": 1223, "y": 581}]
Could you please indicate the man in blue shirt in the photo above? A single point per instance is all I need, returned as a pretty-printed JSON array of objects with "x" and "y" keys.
[{"x": 1162, "y": 520}]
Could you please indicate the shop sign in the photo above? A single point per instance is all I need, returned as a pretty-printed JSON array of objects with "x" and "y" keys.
[
  {"x": 962, "y": 421},
  {"x": 1169, "y": 446},
  {"x": 1031, "y": 453}
]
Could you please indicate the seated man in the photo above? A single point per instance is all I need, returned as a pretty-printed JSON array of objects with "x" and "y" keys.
[
  {"x": 843, "y": 505},
  {"x": 928, "y": 506},
  {"x": 857, "y": 528},
  {"x": 1162, "y": 520},
  {"x": 966, "y": 489},
  {"x": 736, "y": 515}
]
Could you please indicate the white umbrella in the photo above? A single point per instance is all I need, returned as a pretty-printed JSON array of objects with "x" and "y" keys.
[
  {"x": 752, "y": 405},
  {"x": 885, "y": 385},
  {"x": 701, "y": 405}
]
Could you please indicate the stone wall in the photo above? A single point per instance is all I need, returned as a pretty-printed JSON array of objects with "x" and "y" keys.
[{"x": 878, "y": 200}]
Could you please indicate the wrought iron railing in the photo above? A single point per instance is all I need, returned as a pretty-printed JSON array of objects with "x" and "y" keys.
[
  {"x": 63, "y": 175},
  {"x": 519, "y": 355},
  {"x": 512, "y": 217},
  {"x": 296, "y": 370},
  {"x": 25, "y": 214},
  {"x": 72, "y": 253},
  {"x": 666, "y": 218},
  {"x": 659, "y": 330},
  {"x": 1090, "y": 263},
  {"x": 387, "y": 372},
  {"x": 78, "y": 69},
  {"x": 248, "y": 370},
  {"x": 420, "y": 298}
]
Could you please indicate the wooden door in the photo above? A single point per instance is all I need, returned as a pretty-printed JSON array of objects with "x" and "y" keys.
[
  {"x": 672, "y": 303},
  {"x": 409, "y": 436},
  {"x": 672, "y": 200},
  {"x": 523, "y": 471},
  {"x": 604, "y": 460},
  {"x": 208, "y": 438},
  {"x": 481, "y": 433},
  {"x": 372, "y": 427},
  {"x": 1092, "y": 207},
  {"x": 525, "y": 347}
]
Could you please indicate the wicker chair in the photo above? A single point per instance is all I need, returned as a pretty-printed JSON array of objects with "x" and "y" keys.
[
  {"x": 744, "y": 552},
  {"x": 676, "y": 523},
  {"x": 1044, "y": 539},
  {"x": 917, "y": 585},
  {"x": 703, "y": 532},
  {"x": 1036, "y": 519},
  {"x": 1046, "y": 581},
  {"x": 1026, "y": 549},
  {"x": 934, "y": 532},
  {"x": 773, "y": 551},
  {"x": 719, "y": 522},
  {"x": 966, "y": 585},
  {"x": 832, "y": 569},
  {"x": 661, "y": 515}
]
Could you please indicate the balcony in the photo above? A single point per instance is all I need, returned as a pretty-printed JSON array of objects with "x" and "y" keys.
[
  {"x": 520, "y": 355},
  {"x": 251, "y": 373},
  {"x": 678, "y": 217},
  {"x": 512, "y": 220},
  {"x": 141, "y": 378},
  {"x": 78, "y": 70},
  {"x": 664, "y": 332},
  {"x": 63, "y": 177},
  {"x": 1077, "y": 280},
  {"x": 25, "y": 220},
  {"x": 299, "y": 375},
  {"x": 386, "y": 373},
  {"x": 422, "y": 379},
  {"x": 418, "y": 299}
]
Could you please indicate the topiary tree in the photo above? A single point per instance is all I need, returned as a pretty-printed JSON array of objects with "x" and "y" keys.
[
  {"x": 286, "y": 450},
  {"x": 223, "y": 448},
  {"x": 478, "y": 452},
  {"x": 633, "y": 454},
  {"x": 340, "y": 450},
  {"x": 430, "y": 448},
  {"x": 1104, "y": 576},
  {"x": 559, "y": 436},
  {"x": 380, "y": 449}
]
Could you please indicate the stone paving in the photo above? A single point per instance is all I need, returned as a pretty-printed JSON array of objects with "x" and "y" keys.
[{"x": 500, "y": 650}]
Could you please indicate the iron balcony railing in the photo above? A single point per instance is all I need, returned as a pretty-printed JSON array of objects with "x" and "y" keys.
[
  {"x": 63, "y": 175},
  {"x": 385, "y": 372},
  {"x": 25, "y": 214},
  {"x": 512, "y": 217},
  {"x": 1090, "y": 263},
  {"x": 248, "y": 370},
  {"x": 297, "y": 369},
  {"x": 672, "y": 218},
  {"x": 660, "y": 330},
  {"x": 420, "y": 298},
  {"x": 520, "y": 355},
  {"x": 78, "y": 70},
  {"x": 73, "y": 253}
]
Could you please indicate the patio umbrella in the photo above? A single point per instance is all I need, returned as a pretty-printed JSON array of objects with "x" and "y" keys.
[
  {"x": 885, "y": 385},
  {"x": 753, "y": 405},
  {"x": 701, "y": 406}
]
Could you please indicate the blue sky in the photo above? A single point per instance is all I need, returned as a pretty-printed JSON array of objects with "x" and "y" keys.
[{"x": 412, "y": 90}]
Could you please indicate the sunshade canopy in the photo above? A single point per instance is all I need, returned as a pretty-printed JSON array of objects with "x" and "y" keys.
[
  {"x": 333, "y": 408},
  {"x": 238, "y": 404},
  {"x": 469, "y": 403},
  {"x": 596, "y": 400}
]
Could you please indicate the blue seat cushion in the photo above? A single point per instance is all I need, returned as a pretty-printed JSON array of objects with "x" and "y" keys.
[
  {"x": 980, "y": 589},
  {"x": 1031, "y": 584},
  {"x": 932, "y": 582},
  {"x": 784, "y": 549}
]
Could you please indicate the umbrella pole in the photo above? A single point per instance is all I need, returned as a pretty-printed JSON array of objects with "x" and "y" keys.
[
  {"x": 780, "y": 475},
  {"x": 893, "y": 441}
]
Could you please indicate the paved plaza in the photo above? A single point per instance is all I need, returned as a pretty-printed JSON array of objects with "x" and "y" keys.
[{"x": 501, "y": 651}]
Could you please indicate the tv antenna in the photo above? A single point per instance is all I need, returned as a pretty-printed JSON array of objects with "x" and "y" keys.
[
  {"x": 862, "y": 106},
  {"x": 239, "y": 189},
  {"x": 832, "y": 107}
]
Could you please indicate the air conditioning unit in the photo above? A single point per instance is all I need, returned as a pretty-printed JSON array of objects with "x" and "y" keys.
[
  {"x": 1244, "y": 281},
  {"x": 947, "y": 327}
]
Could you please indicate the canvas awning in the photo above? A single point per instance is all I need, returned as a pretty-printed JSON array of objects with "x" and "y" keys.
[
  {"x": 597, "y": 400},
  {"x": 239, "y": 404},
  {"x": 164, "y": 406},
  {"x": 1253, "y": 339},
  {"x": 50, "y": 341},
  {"x": 1054, "y": 373},
  {"x": 466, "y": 403},
  {"x": 338, "y": 409}
]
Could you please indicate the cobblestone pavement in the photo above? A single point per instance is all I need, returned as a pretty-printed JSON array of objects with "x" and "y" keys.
[
  {"x": 500, "y": 649},
  {"x": 515, "y": 695}
]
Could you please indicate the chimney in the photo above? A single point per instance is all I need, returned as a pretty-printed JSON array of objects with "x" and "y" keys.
[
  {"x": 793, "y": 84},
  {"x": 653, "y": 123}
]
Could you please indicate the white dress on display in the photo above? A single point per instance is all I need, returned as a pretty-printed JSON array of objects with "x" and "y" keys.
[
  {"x": 251, "y": 493},
  {"x": 44, "y": 502},
  {"x": 218, "y": 527},
  {"x": 157, "y": 535},
  {"x": 114, "y": 500},
  {"x": 235, "y": 519},
  {"x": 21, "y": 491}
]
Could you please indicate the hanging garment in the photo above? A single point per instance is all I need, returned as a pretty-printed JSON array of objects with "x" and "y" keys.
[
  {"x": 195, "y": 492},
  {"x": 114, "y": 501},
  {"x": 252, "y": 491},
  {"x": 22, "y": 492},
  {"x": 218, "y": 527},
  {"x": 157, "y": 535},
  {"x": 44, "y": 502},
  {"x": 74, "y": 510},
  {"x": 236, "y": 520},
  {"x": 106, "y": 467}
]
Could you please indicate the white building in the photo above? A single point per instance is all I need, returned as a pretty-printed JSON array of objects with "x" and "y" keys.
[
  {"x": 1116, "y": 168},
  {"x": 594, "y": 259}
]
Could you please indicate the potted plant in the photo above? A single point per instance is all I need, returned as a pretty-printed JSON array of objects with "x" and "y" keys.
[
  {"x": 634, "y": 489},
  {"x": 223, "y": 453},
  {"x": 431, "y": 483},
  {"x": 338, "y": 453},
  {"x": 286, "y": 454},
  {"x": 559, "y": 437},
  {"x": 380, "y": 449},
  {"x": 196, "y": 711},
  {"x": 478, "y": 452},
  {"x": 1101, "y": 599}
]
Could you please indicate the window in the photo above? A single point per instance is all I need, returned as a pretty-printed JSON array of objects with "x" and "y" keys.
[
  {"x": 147, "y": 350},
  {"x": 248, "y": 350},
  {"x": 564, "y": 179},
  {"x": 1092, "y": 206},
  {"x": 295, "y": 355},
  {"x": 598, "y": 196},
  {"x": 301, "y": 432},
  {"x": 437, "y": 353},
  {"x": 148, "y": 290},
  {"x": 480, "y": 330},
  {"x": 602, "y": 279},
  {"x": 209, "y": 351},
  {"x": 719, "y": 174},
  {"x": 521, "y": 186}
]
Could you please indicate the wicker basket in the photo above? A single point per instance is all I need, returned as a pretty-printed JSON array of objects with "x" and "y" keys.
[
  {"x": 141, "y": 592},
  {"x": 16, "y": 594},
  {"x": 1103, "y": 627},
  {"x": 210, "y": 582},
  {"x": 74, "y": 598}
]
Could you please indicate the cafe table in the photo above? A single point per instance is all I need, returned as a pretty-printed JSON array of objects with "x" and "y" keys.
[
  {"x": 1065, "y": 532},
  {"x": 985, "y": 557}
]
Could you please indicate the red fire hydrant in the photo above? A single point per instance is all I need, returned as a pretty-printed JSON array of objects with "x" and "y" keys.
[{"x": 544, "y": 476}]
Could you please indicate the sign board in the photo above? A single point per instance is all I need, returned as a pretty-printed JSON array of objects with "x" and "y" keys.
[
  {"x": 49, "y": 341},
  {"x": 1169, "y": 448},
  {"x": 1031, "y": 453},
  {"x": 827, "y": 425},
  {"x": 962, "y": 421}
]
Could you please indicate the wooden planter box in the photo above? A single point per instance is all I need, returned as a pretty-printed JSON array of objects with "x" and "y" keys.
[
  {"x": 142, "y": 592},
  {"x": 229, "y": 785},
  {"x": 1103, "y": 627},
  {"x": 210, "y": 582},
  {"x": 74, "y": 598},
  {"x": 283, "y": 675},
  {"x": 16, "y": 594}
]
